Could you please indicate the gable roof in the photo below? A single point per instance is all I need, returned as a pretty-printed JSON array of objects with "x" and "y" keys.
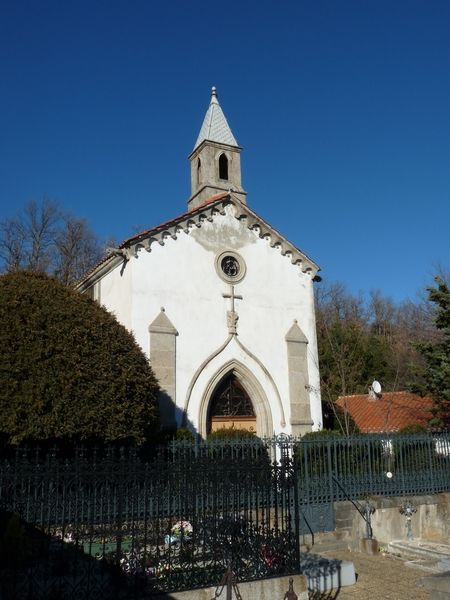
[
  {"x": 390, "y": 411},
  {"x": 215, "y": 127},
  {"x": 210, "y": 209}
]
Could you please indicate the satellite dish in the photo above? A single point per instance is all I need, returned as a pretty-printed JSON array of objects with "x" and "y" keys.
[{"x": 376, "y": 386}]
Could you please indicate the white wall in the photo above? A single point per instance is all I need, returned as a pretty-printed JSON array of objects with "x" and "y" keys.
[{"x": 181, "y": 276}]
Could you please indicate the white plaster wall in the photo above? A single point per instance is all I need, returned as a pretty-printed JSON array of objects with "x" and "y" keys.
[
  {"x": 181, "y": 276},
  {"x": 313, "y": 364},
  {"x": 115, "y": 293}
]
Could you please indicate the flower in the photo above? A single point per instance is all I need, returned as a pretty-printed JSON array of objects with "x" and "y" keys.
[{"x": 182, "y": 529}]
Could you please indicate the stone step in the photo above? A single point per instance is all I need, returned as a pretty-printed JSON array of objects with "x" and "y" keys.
[
  {"x": 422, "y": 564},
  {"x": 433, "y": 552}
]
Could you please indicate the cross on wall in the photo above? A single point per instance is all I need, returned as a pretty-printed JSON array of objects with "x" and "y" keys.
[{"x": 232, "y": 316}]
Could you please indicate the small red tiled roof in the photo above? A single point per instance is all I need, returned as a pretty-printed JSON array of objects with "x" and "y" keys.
[{"x": 388, "y": 412}]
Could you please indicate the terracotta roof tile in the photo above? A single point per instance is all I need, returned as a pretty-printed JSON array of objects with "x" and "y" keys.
[{"x": 389, "y": 412}]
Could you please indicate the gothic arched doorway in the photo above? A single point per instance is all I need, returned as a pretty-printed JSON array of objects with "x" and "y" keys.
[{"x": 230, "y": 406}]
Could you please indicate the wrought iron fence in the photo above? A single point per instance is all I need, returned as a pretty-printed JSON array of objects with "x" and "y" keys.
[
  {"x": 338, "y": 468},
  {"x": 116, "y": 524}
]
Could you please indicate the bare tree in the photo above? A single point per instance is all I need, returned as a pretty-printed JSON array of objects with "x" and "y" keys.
[
  {"x": 41, "y": 222},
  {"x": 382, "y": 313},
  {"x": 77, "y": 249},
  {"x": 341, "y": 333},
  {"x": 12, "y": 244},
  {"x": 43, "y": 238}
]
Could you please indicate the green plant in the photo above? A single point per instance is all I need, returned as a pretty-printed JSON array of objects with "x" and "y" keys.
[
  {"x": 230, "y": 433},
  {"x": 437, "y": 357},
  {"x": 183, "y": 433},
  {"x": 416, "y": 428},
  {"x": 68, "y": 370},
  {"x": 323, "y": 452}
]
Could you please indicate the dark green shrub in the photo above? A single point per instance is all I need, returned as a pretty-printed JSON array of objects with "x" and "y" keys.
[
  {"x": 183, "y": 433},
  {"x": 230, "y": 433},
  {"x": 322, "y": 453},
  {"x": 412, "y": 451},
  {"x": 68, "y": 370},
  {"x": 413, "y": 429},
  {"x": 239, "y": 454}
]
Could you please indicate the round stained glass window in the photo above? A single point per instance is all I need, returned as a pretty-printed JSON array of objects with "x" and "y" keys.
[{"x": 230, "y": 266}]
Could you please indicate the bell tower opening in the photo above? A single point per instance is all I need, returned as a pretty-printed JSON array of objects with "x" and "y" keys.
[
  {"x": 223, "y": 166},
  {"x": 231, "y": 407},
  {"x": 199, "y": 172}
]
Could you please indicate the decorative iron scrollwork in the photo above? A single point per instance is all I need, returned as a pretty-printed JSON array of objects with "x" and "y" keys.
[{"x": 230, "y": 400}]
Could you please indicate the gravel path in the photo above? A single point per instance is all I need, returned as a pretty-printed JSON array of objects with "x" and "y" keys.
[{"x": 382, "y": 577}]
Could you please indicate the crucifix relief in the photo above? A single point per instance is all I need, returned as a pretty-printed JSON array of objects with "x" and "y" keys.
[{"x": 232, "y": 316}]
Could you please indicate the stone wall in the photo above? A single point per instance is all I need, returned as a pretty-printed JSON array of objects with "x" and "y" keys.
[
  {"x": 430, "y": 522},
  {"x": 264, "y": 589}
]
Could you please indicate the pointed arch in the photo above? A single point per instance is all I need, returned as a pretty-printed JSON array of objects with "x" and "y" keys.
[
  {"x": 230, "y": 406},
  {"x": 223, "y": 166},
  {"x": 252, "y": 387}
]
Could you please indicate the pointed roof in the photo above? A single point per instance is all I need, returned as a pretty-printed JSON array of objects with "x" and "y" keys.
[
  {"x": 162, "y": 324},
  {"x": 215, "y": 127},
  {"x": 295, "y": 334}
]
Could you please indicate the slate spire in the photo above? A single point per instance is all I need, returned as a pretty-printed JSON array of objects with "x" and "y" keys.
[{"x": 215, "y": 127}]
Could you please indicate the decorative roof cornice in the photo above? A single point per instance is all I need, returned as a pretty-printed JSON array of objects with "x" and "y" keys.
[
  {"x": 275, "y": 238},
  {"x": 182, "y": 225}
]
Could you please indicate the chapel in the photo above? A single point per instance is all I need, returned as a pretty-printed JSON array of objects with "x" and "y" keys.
[{"x": 221, "y": 303}]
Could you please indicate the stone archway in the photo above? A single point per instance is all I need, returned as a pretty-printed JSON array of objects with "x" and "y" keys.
[
  {"x": 230, "y": 406},
  {"x": 245, "y": 379}
]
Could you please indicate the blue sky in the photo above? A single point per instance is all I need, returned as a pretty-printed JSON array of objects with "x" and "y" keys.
[{"x": 342, "y": 108}]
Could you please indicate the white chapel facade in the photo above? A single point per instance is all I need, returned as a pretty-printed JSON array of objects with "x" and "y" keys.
[{"x": 221, "y": 303}]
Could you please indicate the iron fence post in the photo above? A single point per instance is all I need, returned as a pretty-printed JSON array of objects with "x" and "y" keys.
[
  {"x": 296, "y": 514},
  {"x": 330, "y": 470},
  {"x": 229, "y": 584}
]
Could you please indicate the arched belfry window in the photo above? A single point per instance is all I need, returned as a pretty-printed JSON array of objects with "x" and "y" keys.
[
  {"x": 199, "y": 167},
  {"x": 230, "y": 400},
  {"x": 223, "y": 167}
]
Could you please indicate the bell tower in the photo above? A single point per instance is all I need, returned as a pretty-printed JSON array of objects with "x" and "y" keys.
[{"x": 216, "y": 158}]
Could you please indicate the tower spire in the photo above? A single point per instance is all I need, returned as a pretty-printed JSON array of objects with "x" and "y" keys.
[
  {"x": 215, "y": 127},
  {"x": 215, "y": 160}
]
